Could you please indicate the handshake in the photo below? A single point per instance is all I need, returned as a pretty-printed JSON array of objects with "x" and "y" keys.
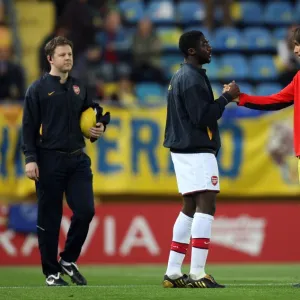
[{"x": 232, "y": 89}]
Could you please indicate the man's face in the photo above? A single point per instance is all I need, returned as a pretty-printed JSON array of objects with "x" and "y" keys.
[
  {"x": 4, "y": 54},
  {"x": 297, "y": 48},
  {"x": 62, "y": 59},
  {"x": 203, "y": 51},
  {"x": 113, "y": 22}
]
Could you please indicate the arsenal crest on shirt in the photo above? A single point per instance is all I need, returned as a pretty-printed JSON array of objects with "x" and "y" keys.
[
  {"x": 76, "y": 89},
  {"x": 214, "y": 180}
]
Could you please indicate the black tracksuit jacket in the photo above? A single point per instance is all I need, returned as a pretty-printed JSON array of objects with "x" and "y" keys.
[
  {"x": 192, "y": 112},
  {"x": 51, "y": 116}
]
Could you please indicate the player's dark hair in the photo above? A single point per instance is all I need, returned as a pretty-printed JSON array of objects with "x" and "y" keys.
[
  {"x": 297, "y": 34},
  {"x": 189, "y": 40},
  {"x": 55, "y": 42}
]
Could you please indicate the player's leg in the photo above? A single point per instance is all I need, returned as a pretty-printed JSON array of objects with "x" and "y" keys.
[
  {"x": 183, "y": 224},
  {"x": 201, "y": 232},
  {"x": 80, "y": 199},
  {"x": 180, "y": 241},
  {"x": 207, "y": 172},
  {"x": 50, "y": 188}
]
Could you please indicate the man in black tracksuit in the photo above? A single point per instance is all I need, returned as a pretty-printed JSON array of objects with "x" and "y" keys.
[
  {"x": 53, "y": 146},
  {"x": 192, "y": 135}
]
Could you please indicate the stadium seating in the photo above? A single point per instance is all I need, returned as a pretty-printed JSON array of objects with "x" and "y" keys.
[
  {"x": 150, "y": 94},
  {"x": 169, "y": 37},
  {"x": 297, "y": 12},
  {"x": 262, "y": 67},
  {"x": 244, "y": 52},
  {"x": 213, "y": 69},
  {"x": 270, "y": 88},
  {"x": 249, "y": 13},
  {"x": 190, "y": 12},
  {"x": 162, "y": 12},
  {"x": 226, "y": 39},
  {"x": 233, "y": 67},
  {"x": 171, "y": 63},
  {"x": 279, "y": 13},
  {"x": 257, "y": 39},
  {"x": 132, "y": 11},
  {"x": 35, "y": 21},
  {"x": 246, "y": 88},
  {"x": 279, "y": 33}
]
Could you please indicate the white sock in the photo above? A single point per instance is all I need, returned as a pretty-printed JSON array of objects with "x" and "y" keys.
[
  {"x": 180, "y": 242},
  {"x": 65, "y": 263},
  {"x": 201, "y": 233}
]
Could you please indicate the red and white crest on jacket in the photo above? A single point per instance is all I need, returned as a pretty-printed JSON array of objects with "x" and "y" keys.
[{"x": 76, "y": 89}]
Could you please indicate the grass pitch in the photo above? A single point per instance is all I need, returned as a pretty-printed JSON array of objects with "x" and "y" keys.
[{"x": 243, "y": 282}]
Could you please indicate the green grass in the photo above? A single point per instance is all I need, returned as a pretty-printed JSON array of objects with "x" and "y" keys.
[{"x": 144, "y": 282}]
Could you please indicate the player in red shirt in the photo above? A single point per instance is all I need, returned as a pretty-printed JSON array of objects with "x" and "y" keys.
[{"x": 286, "y": 97}]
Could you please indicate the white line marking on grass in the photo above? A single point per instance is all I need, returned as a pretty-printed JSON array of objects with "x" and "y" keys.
[
  {"x": 145, "y": 285},
  {"x": 259, "y": 284}
]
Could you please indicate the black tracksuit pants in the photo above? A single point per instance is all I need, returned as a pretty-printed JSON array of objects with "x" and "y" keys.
[{"x": 61, "y": 172}]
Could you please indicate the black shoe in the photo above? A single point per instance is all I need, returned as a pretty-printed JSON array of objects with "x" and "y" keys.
[
  {"x": 179, "y": 282},
  {"x": 296, "y": 285},
  {"x": 73, "y": 272},
  {"x": 55, "y": 280},
  {"x": 206, "y": 282}
]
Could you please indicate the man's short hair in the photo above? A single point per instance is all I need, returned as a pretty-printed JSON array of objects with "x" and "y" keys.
[
  {"x": 297, "y": 34},
  {"x": 189, "y": 40},
  {"x": 55, "y": 42}
]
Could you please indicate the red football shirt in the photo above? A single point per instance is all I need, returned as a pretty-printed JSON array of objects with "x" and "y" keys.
[{"x": 290, "y": 94}]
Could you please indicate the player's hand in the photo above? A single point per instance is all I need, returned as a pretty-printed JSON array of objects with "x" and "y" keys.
[
  {"x": 32, "y": 171},
  {"x": 97, "y": 131},
  {"x": 232, "y": 89},
  {"x": 226, "y": 88}
]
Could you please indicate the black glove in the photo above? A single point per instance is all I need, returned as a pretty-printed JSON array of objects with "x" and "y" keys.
[{"x": 100, "y": 118}]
